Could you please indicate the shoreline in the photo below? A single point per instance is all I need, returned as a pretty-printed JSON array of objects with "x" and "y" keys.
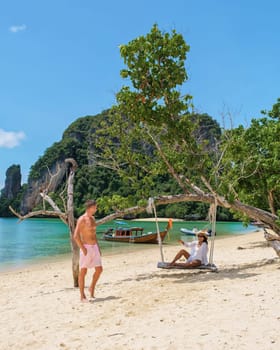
[
  {"x": 32, "y": 248},
  {"x": 159, "y": 219},
  {"x": 120, "y": 250},
  {"x": 139, "y": 306}
]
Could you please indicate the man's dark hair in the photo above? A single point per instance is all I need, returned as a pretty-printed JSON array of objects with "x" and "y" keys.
[{"x": 90, "y": 203}]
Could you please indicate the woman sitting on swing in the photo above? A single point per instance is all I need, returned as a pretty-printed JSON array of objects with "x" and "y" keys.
[{"x": 198, "y": 254}]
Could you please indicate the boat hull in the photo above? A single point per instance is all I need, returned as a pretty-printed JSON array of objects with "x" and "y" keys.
[{"x": 144, "y": 238}]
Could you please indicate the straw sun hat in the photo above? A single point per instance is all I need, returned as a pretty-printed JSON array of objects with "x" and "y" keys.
[{"x": 203, "y": 233}]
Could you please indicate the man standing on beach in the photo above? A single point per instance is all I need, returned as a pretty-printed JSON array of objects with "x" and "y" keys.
[{"x": 90, "y": 256}]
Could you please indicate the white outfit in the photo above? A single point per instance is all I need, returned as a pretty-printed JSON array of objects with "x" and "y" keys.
[{"x": 197, "y": 252}]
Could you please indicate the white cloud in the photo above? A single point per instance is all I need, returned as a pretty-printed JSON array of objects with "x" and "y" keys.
[
  {"x": 10, "y": 139},
  {"x": 15, "y": 29}
]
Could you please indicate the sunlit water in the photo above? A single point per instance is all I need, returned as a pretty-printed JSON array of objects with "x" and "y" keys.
[{"x": 22, "y": 243}]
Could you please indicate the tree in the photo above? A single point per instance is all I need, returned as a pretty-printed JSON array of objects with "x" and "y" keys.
[
  {"x": 155, "y": 131},
  {"x": 251, "y": 164},
  {"x": 67, "y": 216}
]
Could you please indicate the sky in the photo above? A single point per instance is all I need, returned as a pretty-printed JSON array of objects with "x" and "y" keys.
[{"x": 60, "y": 61}]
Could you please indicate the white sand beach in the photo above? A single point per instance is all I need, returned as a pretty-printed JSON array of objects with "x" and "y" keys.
[{"x": 139, "y": 306}]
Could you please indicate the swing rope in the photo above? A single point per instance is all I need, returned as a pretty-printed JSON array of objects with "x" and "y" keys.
[
  {"x": 150, "y": 209},
  {"x": 212, "y": 218}
]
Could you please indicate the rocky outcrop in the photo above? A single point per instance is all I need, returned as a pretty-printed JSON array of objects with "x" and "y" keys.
[
  {"x": 49, "y": 172},
  {"x": 12, "y": 182},
  {"x": 48, "y": 181}
]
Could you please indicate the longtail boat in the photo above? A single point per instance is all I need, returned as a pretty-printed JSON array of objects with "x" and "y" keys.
[{"x": 134, "y": 235}]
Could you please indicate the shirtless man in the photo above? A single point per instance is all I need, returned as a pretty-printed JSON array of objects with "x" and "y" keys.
[{"x": 90, "y": 256}]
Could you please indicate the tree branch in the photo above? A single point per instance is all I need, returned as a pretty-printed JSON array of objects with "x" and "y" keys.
[
  {"x": 37, "y": 213},
  {"x": 50, "y": 201},
  {"x": 163, "y": 157}
]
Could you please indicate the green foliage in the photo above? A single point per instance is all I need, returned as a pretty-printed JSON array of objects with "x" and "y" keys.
[
  {"x": 275, "y": 111},
  {"x": 4, "y": 207},
  {"x": 74, "y": 144},
  {"x": 251, "y": 163},
  {"x": 114, "y": 202},
  {"x": 156, "y": 67},
  {"x": 96, "y": 182},
  {"x": 153, "y": 135},
  {"x": 153, "y": 132},
  {"x": 15, "y": 202}
]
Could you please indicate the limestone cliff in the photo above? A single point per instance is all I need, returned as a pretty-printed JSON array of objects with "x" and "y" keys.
[
  {"x": 45, "y": 182},
  {"x": 49, "y": 172},
  {"x": 12, "y": 182}
]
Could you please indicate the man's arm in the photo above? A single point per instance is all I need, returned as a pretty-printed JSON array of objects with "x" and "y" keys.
[
  {"x": 96, "y": 235},
  {"x": 77, "y": 237}
]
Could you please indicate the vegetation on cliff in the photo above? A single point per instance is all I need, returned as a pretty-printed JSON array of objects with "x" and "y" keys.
[{"x": 94, "y": 181}]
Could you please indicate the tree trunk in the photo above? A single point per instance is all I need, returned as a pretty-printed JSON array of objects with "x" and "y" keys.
[
  {"x": 75, "y": 262},
  {"x": 271, "y": 202},
  {"x": 71, "y": 222}
]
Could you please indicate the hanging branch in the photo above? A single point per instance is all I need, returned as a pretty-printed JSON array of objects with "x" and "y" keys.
[
  {"x": 221, "y": 200},
  {"x": 50, "y": 201},
  {"x": 163, "y": 157},
  {"x": 38, "y": 213}
]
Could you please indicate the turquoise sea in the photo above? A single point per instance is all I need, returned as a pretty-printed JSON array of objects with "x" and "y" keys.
[{"x": 32, "y": 240}]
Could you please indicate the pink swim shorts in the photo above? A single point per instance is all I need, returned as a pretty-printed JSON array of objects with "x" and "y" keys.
[{"x": 92, "y": 259}]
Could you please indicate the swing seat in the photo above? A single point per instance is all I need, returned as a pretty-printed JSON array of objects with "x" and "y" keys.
[{"x": 165, "y": 265}]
